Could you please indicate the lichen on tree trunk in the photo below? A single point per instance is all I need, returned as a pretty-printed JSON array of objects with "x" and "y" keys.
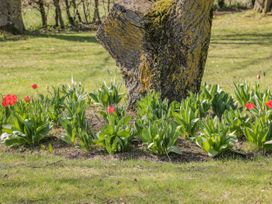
[
  {"x": 159, "y": 44},
  {"x": 11, "y": 16}
]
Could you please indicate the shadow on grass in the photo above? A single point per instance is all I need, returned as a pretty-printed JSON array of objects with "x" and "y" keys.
[
  {"x": 72, "y": 37},
  {"x": 68, "y": 37},
  {"x": 243, "y": 39}
]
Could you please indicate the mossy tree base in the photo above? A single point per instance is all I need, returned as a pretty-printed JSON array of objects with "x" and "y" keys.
[
  {"x": 159, "y": 44},
  {"x": 11, "y": 16}
]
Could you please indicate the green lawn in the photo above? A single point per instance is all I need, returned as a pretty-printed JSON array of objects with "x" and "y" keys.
[
  {"x": 241, "y": 47},
  {"x": 45, "y": 179}
]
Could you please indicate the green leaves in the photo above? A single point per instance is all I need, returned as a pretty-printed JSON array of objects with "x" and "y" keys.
[
  {"x": 29, "y": 125},
  {"x": 151, "y": 107},
  {"x": 160, "y": 136},
  {"x": 116, "y": 135},
  {"x": 215, "y": 137},
  {"x": 187, "y": 118},
  {"x": 107, "y": 95},
  {"x": 73, "y": 119},
  {"x": 260, "y": 132}
]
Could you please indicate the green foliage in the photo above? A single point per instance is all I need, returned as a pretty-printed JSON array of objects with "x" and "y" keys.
[
  {"x": 215, "y": 137},
  {"x": 151, "y": 107},
  {"x": 107, "y": 95},
  {"x": 56, "y": 104},
  {"x": 29, "y": 124},
  {"x": 116, "y": 135},
  {"x": 74, "y": 119},
  {"x": 260, "y": 132},
  {"x": 187, "y": 118},
  {"x": 219, "y": 100},
  {"x": 160, "y": 136},
  {"x": 236, "y": 120},
  {"x": 244, "y": 93}
]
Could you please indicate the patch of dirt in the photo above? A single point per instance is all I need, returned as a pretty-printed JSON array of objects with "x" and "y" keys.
[{"x": 190, "y": 152}]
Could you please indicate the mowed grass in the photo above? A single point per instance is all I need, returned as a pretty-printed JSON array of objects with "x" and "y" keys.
[
  {"x": 241, "y": 47},
  {"x": 44, "y": 179},
  {"x": 52, "y": 60}
]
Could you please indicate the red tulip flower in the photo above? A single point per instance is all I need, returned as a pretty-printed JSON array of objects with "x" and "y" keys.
[
  {"x": 27, "y": 99},
  {"x": 34, "y": 86},
  {"x": 111, "y": 109},
  {"x": 9, "y": 100},
  {"x": 250, "y": 106},
  {"x": 269, "y": 104}
]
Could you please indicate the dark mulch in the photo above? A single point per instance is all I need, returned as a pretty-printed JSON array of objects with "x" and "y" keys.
[{"x": 190, "y": 152}]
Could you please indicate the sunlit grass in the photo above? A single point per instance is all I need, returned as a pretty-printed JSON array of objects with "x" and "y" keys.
[
  {"x": 241, "y": 47},
  {"x": 44, "y": 179}
]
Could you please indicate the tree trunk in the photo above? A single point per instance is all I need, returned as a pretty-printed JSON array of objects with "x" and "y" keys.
[
  {"x": 108, "y": 5},
  {"x": 263, "y": 6},
  {"x": 58, "y": 14},
  {"x": 69, "y": 16},
  {"x": 43, "y": 13},
  {"x": 76, "y": 11},
  {"x": 11, "y": 16},
  {"x": 160, "y": 45},
  {"x": 96, "y": 17},
  {"x": 85, "y": 11}
]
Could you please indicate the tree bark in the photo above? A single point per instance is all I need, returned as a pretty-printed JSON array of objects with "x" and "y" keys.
[
  {"x": 58, "y": 14},
  {"x": 69, "y": 16},
  {"x": 85, "y": 11},
  {"x": 263, "y": 6},
  {"x": 76, "y": 11},
  {"x": 160, "y": 45},
  {"x": 43, "y": 13},
  {"x": 96, "y": 16},
  {"x": 11, "y": 16}
]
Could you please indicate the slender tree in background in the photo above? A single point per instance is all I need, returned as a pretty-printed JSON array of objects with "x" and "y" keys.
[
  {"x": 58, "y": 14},
  {"x": 41, "y": 5},
  {"x": 108, "y": 5},
  {"x": 76, "y": 11},
  {"x": 96, "y": 16},
  {"x": 85, "y": 6},
  {"x": 68, "y": 13},
  {"x": 11, "y": 16},
  {"x": 160, "y": 45},
  {"x": 263, "y": 6}
]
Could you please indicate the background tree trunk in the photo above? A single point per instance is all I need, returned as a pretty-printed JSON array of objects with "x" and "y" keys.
[
  {"x": 11, "y": 16},
  {"x": 160, "y": 45},
  {"x": 96, "y": 16},
  {"x": 76, "y": 11},
  {"x": 68, "y": 13},
  {"x": 58, "y": 14},
  {"x": 263, "y": 6},
  {"x": 43, "y": 13}
]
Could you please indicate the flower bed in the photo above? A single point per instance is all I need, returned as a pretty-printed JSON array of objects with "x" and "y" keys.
[{"x": 212, "y": 120}]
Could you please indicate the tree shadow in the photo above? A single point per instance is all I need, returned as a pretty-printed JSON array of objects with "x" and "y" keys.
[
  {"x": 68, "y": 37},
  {"x": 72, "y": 37}
]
